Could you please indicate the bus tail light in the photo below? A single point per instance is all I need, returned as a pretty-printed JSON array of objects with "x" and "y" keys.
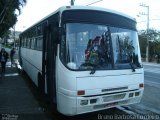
[
  {"x": 80, "y": 92},
  {"x": 141, "y": 85}
]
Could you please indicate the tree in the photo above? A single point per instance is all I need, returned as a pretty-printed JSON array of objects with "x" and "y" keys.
[
  {"x": 8, "y": 16},
  {"x": 154, "y": 43}
]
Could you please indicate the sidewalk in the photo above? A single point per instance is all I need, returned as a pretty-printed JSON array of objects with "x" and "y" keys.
[
  {"x": 151, "y": 63},
  {"x": 16, "y": 99}
]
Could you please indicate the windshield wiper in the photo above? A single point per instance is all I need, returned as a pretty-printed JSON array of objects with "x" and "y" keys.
[
  {"x": 131, "y": 64},
  {"x": 133, "y": 69},
  {"x": 93, "y": 70}
]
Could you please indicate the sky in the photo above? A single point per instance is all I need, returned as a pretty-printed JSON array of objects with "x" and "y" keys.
[{"x": 35, "y": 10}]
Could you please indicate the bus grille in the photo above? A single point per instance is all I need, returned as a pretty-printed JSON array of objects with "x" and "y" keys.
[{"x": 113, "y": 97}]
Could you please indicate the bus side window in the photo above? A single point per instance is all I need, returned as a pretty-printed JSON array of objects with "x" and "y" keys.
[
  {"x": 28, "y": 43},
  {"x": 25, "y": 40},
  {"x": 33, "y": 43},
  {"x": 22, "y": 42},
  {"x": 39, "y": 43}
]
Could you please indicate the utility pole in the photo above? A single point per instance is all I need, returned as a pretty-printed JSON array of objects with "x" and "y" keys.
[
  {"x": 147, "y": 47},
  {"x": 14, "y": 37}
]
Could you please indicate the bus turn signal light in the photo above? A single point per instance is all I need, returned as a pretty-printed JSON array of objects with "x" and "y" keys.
[
  {"x": 80, "y": 92},
  {"x": 141, "y": 85}
]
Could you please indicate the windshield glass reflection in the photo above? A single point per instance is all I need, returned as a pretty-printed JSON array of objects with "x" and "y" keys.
[{"x": 100, "y": 47}]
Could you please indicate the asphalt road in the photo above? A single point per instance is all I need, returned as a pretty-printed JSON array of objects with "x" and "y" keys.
[
  {"x": 150, "y": 103},
  {"x": 152, "y": 74}
]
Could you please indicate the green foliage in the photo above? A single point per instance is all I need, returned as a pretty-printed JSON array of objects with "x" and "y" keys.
[
  {"x": 153, "y": 36},
  {"x": 8, "y": 17}
]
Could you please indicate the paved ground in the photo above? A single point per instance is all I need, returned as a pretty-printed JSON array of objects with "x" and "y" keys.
[{"x": 16, "y": 99}]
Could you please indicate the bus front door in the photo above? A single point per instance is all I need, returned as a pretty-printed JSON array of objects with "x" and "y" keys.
[{"x": 48, "y": 64}]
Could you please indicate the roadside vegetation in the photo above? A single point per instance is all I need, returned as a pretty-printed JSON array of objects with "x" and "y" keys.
[
  {"x": 153, "y": 38},
  {"x": 9, "y": 11}
]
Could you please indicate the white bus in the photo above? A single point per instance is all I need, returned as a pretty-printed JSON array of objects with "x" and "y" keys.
[{"x": 84, "y": 58}]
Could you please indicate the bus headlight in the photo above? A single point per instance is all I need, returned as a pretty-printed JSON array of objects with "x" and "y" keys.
[
  {"x": 92, "y": 101},
  {"x": 137, "y": 93},
  {"x": 84, "y": 102},
  {"x": 131, "y": 94}
]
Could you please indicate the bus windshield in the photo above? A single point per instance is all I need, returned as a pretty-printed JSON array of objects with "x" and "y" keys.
[{"x": 102, "y": 47}]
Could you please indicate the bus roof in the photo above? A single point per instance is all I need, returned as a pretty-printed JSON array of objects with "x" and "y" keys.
[
  {"x": 94, "y": 8},
  {"x": 64, "y": 8}
]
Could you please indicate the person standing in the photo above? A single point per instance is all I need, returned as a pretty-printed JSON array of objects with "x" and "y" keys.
[
  {"x": 3, "y": 59},
  {"x": 12, "y": 53}
]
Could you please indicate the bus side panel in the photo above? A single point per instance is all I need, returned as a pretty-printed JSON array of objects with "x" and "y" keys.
[{"x": 29, "y": 64}]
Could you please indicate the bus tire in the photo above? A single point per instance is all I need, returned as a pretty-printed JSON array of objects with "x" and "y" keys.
[{"x": 41, "y": 84}]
